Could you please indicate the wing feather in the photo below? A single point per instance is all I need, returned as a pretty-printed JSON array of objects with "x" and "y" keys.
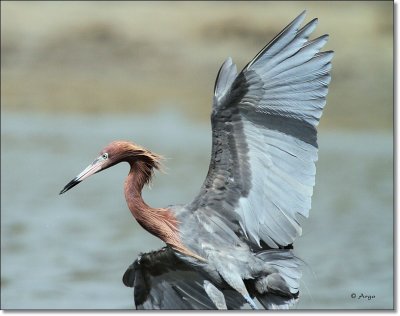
[{"x": 264, "y": 120}]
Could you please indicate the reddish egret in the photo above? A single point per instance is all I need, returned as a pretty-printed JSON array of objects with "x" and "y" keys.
[{"x": 232, "y": 244}]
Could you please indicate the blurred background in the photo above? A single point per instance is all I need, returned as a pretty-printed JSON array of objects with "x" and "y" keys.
[{"x": 77, "y": 75}]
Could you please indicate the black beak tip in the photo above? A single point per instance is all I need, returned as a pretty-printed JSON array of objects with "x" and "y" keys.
[{"x": 70, "y": 185}]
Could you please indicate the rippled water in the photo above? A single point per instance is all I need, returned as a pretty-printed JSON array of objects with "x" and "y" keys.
[{"x": 70, "y": 251}]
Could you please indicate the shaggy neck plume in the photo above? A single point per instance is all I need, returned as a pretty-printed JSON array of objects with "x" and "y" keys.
[{"x": 160, "y": 222}]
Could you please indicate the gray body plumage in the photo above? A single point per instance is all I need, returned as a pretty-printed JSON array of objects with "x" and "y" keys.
[{"x": 260, "y": 179}]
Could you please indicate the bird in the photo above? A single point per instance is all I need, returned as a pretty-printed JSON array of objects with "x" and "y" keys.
[{"x": 231, "y": 247}]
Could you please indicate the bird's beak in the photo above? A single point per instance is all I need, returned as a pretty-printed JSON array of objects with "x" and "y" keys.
[{"x": 96, "y": 166}]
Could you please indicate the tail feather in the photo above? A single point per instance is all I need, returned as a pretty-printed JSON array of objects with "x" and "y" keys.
[
  {"x": 279, "y": 289},
  {"x": 271, "y": 301}
]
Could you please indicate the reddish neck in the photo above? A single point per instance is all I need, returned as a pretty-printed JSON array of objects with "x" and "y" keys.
[{"x": 158, "y": 221}]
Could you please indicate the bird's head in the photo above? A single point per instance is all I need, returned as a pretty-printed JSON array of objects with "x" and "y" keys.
[{"x": 117, "y": 152}]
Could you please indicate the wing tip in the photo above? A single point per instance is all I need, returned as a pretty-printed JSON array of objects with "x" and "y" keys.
[
  {"x": 299, "y": 19},
  {"x": 328, "y": 53},
  {"x": 293, "y": 26},
  {"x": 225, "y": 77}
]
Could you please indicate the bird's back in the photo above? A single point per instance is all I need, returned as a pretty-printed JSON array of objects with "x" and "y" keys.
[{"x": 276, "y": 271}]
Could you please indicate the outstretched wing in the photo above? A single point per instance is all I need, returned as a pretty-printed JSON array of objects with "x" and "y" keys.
[
  {"x": 264, "y": 147},
  {"x": 161, "y": 281}
]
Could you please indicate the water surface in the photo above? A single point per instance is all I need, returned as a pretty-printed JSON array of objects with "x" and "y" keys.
[{"x": 70, "y": 251}]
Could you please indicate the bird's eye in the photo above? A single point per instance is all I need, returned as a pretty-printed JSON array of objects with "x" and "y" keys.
[{"x": 104, "y": 156}]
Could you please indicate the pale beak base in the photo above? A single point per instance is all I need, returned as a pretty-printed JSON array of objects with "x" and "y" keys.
[{"x": 92, "y": 169}]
